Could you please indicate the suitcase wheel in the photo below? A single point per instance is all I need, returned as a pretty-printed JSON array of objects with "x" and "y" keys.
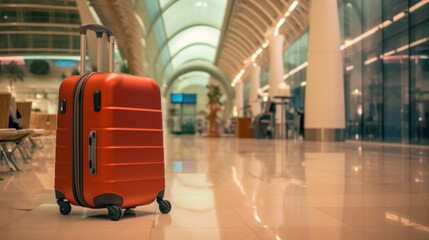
[
  {"x": 65, "y": 207},
  {"x": 114, "y": 212},
  {"x": 129, "y": 211},
  {"x": 164, "y": 206}
]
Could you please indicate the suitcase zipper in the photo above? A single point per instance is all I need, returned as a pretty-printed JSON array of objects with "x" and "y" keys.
[{"x": 77, "y": 183}]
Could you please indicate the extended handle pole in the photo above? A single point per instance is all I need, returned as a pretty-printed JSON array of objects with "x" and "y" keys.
[
  {"x": 99, "y": 30},
  {"x": 111, "y": 53},
  {"x": 100, "y": 52},
  {"x": 82, "y": 54}
]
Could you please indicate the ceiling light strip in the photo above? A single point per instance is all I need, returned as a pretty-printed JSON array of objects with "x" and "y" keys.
[
  {"x": 266, "y": 43},
  {"x": 367, "y": 62},
  {"x": 386, "y": 23},
  {"x": 283, "y": 19}
]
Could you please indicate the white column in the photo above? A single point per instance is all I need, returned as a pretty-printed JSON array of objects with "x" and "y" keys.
[
  {"x": 276, "y": 75},
  {"x": 276, "y": 63},
  {"x": 324, "y": 98},
  {"x": 254, "y": 103},
  {"x": 239, "y": 98}
]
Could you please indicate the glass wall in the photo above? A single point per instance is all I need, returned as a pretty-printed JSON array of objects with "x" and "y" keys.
[
  {"x": 27, "y": 28},
  {"x": 294, "y": 57},
  {"x": 419, "y": 76},
  {"x": 378, "y": 73},
  {"x": 386, "y": 69}
]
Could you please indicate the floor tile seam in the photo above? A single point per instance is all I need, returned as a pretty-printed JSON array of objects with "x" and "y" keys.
[
  {"x": 363, "y": 225},
  {"x": 416, "y": 219},
  {"x": 339, "y": 220},
  {"x": 385, "y": 144},
  {"x": 244, "y": 221},
  {"x": 153, "y": 224},
  {"x": 5, "y": 226},
  {"x": 202, "y": 227}
]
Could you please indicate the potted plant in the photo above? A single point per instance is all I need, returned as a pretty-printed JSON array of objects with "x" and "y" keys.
[
  {"x": 13, "y": 72},
  {"x": 124, "y": 68},
  {"x": 214, "y": 94}
]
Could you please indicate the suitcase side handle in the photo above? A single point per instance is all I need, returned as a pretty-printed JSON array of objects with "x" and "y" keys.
[
  {"x": 92, "y": 153},
  {"x": 99, "y": 30}
]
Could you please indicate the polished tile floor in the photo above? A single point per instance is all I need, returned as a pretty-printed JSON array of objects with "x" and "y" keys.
[{"x": 228, "y": 188}]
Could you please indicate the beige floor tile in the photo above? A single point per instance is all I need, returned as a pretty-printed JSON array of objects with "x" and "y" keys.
[
  {"x": 47, "y": 216},
  {"x": 287, "y": 217},
  {"x": 203, "y": 233},
  {"x": 199, "y": 218},
  {"x": 71, "y": 233},
  {"x": 228, "y": 188},
  {"x": 396, "y": 233},
  {"x": 9, "y": 215},
  {"x": 310, "y": 233}
]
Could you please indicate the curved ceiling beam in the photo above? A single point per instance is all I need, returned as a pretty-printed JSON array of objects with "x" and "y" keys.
[
  {"x": 198, "y": 60},
  {"x": 189, "y": 82},
  {"x": 214, "y": 71},
  {"x": 295, "y": 17},
  {"x": 302, "y": 8},
  {"x": 288, "y": 26},
  {"x": 254, "y": 15},
  {"x": 183, "y": 49},
  {"x": 275, "y": 8},
  {"x": 301, "y": 16},
  {"x": 234, "y": 38},
  {"x": 249, "y": 31},
  {"x": 233, "y": 66},
  {"x": 299, "y": 24},
  {"x": 258, "y": 5},
  {"x": 238, "y": 48},
  {"x": 157, "y": 17},
  {"x": 177, "y": 33},
  {"x": 235, "y": 52},
  {"x": 249, "y": 22},
  {"x": 242, "y": 37},
  {"x": 236, "y": 64}
]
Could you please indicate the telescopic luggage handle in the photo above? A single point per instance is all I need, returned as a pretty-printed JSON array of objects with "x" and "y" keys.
[
  {"x": 99, "y": 30},
  {"x": 96, "y": 28}
]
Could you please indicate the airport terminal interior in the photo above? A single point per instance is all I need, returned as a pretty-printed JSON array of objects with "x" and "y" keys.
[{"x": 281, "y": 119}]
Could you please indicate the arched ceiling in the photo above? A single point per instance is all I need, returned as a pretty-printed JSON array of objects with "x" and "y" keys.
[
  {"x": 225, "y": 33},
  {"x": 248, "y": 26}
]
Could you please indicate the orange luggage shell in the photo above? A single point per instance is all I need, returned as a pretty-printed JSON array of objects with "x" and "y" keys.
[{"x": 124, "y": 113}]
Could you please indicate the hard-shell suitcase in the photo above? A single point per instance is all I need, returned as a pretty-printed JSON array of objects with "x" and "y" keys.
[{"x": 109, "y": 145}]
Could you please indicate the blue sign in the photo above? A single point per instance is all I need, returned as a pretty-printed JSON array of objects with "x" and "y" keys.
[
  {"x": 176, "y": 98},
  {"x": 64, "y": 63}
]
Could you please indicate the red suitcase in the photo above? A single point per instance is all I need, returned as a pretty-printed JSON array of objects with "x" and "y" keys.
[{"x": 109, "y": 146}]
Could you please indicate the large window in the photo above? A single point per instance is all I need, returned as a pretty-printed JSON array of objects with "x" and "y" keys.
[
  {"x": 386, "y": 72},
  {"x": 419, "y": 77},
  {"x": 395, "y": 82},
  {"x": 36, "y": 30},
  {"x": 351, "y": 22},
  {"x": 372, "y": 88}
]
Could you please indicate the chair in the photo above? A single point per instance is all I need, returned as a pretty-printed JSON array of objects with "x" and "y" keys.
[
  {"x": 4, "y": 109},
  {"x": 46, "y": 121},
  {"x": 5, "y": 133},
  {"x": 8, "y": 135},
  {"x": 24, "y": 108}
]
